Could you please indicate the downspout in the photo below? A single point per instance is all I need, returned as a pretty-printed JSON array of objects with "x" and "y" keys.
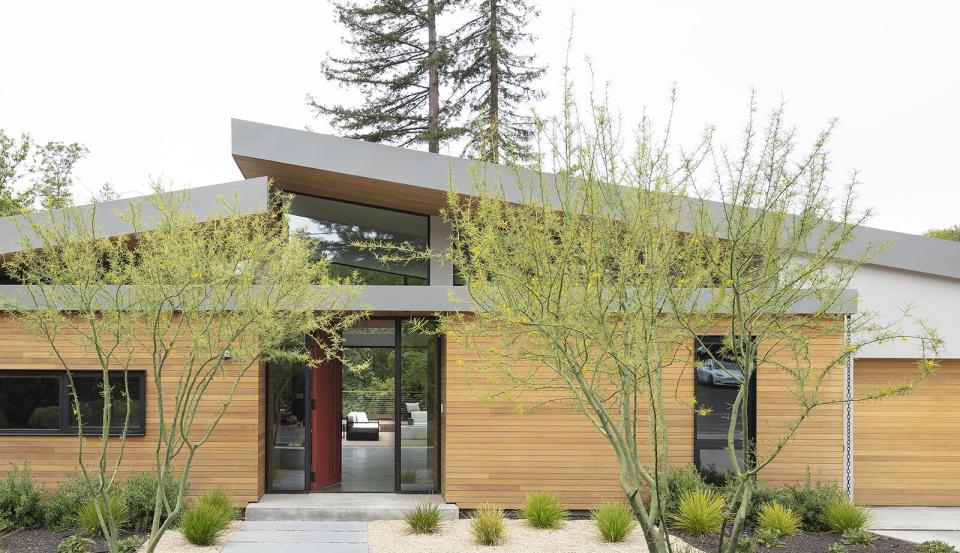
[{"x": 847, "y": 413}]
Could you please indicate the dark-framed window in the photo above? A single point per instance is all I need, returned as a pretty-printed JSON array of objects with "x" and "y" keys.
[
  {"x": 338, "y": 226},
  {"x": 40, "y": 402},
  {"x": 717, "y": 381}
]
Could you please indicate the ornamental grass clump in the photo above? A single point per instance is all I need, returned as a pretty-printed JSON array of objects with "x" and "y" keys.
[
  {"x": 842, "y": 515},
  {"x": 424, "y": 518},
  {"x": 543, "y": 510},
  {"x": 699, "y": 512},
  {"x": 774, "y": 516},
  {"x": 202, "y": 523},
  {"x": 615, "y": 520},
  {"x": 89, "y": 521},
  {"x": 487, "y": 525}
]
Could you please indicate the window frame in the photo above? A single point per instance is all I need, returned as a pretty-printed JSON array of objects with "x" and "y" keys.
[
  {"x": 138, "y": 379},
  {"x": 748, "y": 442}
]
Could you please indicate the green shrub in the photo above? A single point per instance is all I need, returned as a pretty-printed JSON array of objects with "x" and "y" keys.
[
  {"x": 837, "y": 548},
  {"x": 857, "y": 537},
  {"x": 139, "y": 493},
  {"x": 614, "y": 519},
  {"x": 424, "y": 518},
  {"x": 700, "y": 512},
  {"x": 487, "y": 525},
  {"x": 62, "y": 507},
  {"x": 774, "y": 516},
  {"x": 811, "y": 502},
  {"x": 842, "y": 515},
  {"x": 680, "y": 482},
  {"x": 935, "y": 546},
  {"x": 21, "y": 501},
  {"x": 75, "y": 544},
  {"x": 202, "y": 523},
  {"x": 543, "y": 510},
  {"x": 88, "y": 520},
  {"x": 746, "y": 544},
  {"x": 767, "y": 537},
  {"x": 6, "y": 528},
  {"x": 130, "y": 543}
]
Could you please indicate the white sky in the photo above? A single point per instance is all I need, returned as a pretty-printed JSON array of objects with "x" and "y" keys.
[{"x": 150, "y": 88}]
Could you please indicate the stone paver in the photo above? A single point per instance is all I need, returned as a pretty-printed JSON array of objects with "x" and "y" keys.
[
  {"x": 918, "y": 524},
  {"x": 284, "y": 536}
]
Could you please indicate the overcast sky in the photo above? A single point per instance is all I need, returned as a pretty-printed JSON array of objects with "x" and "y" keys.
[{"x": 150, "y": 88}]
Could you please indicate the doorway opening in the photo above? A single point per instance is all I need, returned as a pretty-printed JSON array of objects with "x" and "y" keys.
[{"x": 369, "y": 424}]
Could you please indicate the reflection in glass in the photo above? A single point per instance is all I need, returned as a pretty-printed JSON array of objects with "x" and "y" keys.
[
  {"x": 419, "y": 451},
  {"x": 286, "y": 427},
  {"x": 337, "y": 226},
  {"x": 30, "y": 402},
  {"x": 89, "y": 387},
  {"x": 717, "y": 384}
]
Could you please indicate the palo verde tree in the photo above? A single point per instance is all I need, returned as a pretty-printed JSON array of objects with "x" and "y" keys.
[
  {"x": 198, "y": 303},
  {"x": 497, "y": 78},
  {"x": 398, "y": 61},
  {"x": 781, "y": 246},
  {"x": 572, "y": 275}
]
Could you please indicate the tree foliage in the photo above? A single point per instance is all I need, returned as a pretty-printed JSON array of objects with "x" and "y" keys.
[
  {"x": 47, "y": 168},
  {"x": 948, "y": 233},
  {"x": 596, "y": 280},
  {"x": 397, "y": 61},
  {"x": 199, "y": 305},
  {"x": 497, "y": 78}
]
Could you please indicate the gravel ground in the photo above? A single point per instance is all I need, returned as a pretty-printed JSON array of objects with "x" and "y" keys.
[
  {"x": 174, "y": 542},
  {"x": 814, "y": 542},
  {"x": 575, "y": 536}
]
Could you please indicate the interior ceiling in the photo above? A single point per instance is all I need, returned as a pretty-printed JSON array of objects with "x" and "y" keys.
[{"x": 339, "y": 186}]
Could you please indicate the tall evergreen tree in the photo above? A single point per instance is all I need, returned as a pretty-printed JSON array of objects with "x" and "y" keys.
[
  {"x": 398, "y": 60},
  {"x": 49, "y": 168},
  {"x": 496, "y": 79}
]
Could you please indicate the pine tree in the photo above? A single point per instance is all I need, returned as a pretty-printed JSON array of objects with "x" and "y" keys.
[
  {"x": 397, "y": 61},
  {"x": 496, "y": 80}
]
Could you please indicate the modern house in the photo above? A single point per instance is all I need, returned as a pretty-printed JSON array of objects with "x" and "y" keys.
[{"x": 414, "y": 422}]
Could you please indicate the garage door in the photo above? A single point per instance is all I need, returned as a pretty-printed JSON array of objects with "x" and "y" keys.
[{"x": 907, "y": 449}]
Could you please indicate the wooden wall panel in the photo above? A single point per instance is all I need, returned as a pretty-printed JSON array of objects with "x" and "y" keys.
[
  {"x": 231, "y": 460},
  {"x": 492, "y": 452},
  {"x": 907, "y": 449}
]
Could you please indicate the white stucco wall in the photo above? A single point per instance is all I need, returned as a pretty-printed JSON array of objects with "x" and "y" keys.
[{"x": 887, "y": 291}]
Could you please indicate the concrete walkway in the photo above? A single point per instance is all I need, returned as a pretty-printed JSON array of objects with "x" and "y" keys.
[
  {"x": 918, "y": 524},
  {"x": 279, "y": 536}
]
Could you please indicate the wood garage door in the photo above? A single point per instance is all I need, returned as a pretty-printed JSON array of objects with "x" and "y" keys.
[{"x": 907, "y": 449}]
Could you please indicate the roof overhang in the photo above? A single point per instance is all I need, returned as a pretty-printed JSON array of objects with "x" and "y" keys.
[
  {"x": 400, "y": 178},
  {"x": 244, "y": 197}
]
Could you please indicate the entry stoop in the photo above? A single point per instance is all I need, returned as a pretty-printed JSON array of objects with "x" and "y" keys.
[{"x": 357, "y": 507}]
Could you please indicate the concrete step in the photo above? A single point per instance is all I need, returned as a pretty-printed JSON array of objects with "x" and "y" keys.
[{"x": 358, "y": 507}]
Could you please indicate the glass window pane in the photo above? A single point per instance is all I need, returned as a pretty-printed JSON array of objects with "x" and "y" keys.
[
  {"x": 371, "y": 333},
  {"x": 286, "y": 424},
  {"x": 717, "y": 384},
  {"x": 419, "y": 436},
  {"x": 29, "y": 402},
  {"x": 338, "y": 226},
  {"x": 90, "y": 393},
  {"x": 369, "y": 418}
]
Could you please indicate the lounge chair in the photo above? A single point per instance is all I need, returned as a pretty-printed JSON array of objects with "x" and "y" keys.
[{"x": 359, "y": 428}]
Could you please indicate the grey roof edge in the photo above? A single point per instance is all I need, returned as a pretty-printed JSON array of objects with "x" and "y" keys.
[
  {"x": 436, "y": 171},
  {"x": 206, "y": 202},
  {"x": 418, "y": 299}
]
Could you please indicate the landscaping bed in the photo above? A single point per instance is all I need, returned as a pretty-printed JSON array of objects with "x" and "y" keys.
[
  {"x": 42, "y": 540},
  {"x": 574, "y": 536},
  {"x": 810, "y": 542}
]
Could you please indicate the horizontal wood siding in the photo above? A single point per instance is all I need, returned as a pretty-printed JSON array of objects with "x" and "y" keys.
[
  {"x": 492, "y": 452},
  {"x": 231, "y": 460},
  {"x": 907, "y": 449}
]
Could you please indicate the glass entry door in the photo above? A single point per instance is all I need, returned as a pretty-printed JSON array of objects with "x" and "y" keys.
[{"x": 419, "y": 426}]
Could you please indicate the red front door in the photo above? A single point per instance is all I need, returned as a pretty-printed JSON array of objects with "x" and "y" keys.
[{"x": 326, "y": 421}]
